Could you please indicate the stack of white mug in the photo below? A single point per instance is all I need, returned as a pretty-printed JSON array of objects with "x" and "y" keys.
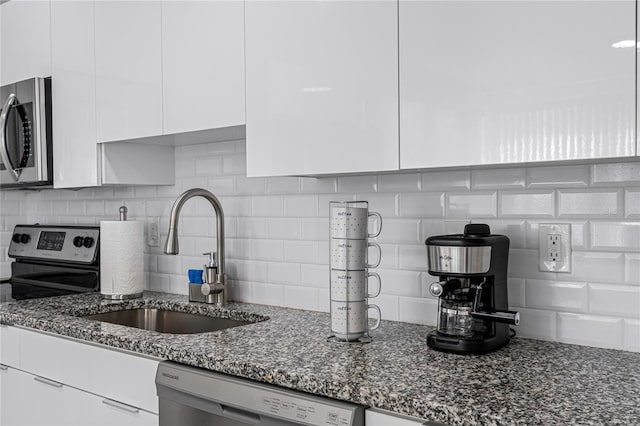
[{"x": 350, "y": 270}]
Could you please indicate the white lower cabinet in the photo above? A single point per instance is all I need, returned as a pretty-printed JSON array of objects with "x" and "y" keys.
[
  {"x": 374, "y": 417},
  {"x": 59, "y": 381}
]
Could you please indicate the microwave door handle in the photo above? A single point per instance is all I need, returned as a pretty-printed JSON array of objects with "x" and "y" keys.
[{"x": 4, "y": 148}]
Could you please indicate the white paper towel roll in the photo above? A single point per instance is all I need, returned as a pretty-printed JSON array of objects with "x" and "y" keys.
[{"x": 121, "y": 257}]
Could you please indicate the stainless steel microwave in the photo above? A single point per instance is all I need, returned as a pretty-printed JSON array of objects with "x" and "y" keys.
[{"x": 26, "y": 159}]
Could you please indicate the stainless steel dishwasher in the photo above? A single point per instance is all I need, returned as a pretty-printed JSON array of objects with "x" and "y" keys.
[{"x": 192, "y": 396}]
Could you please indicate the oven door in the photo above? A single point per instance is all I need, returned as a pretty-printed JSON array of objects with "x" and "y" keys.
[{"x": 25, "y": 134}]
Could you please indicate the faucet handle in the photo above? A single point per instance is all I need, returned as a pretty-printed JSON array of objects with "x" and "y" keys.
[{"x": 212, "y": 259}]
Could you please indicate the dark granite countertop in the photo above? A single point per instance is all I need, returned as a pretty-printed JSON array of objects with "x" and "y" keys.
[{"x": 529, "y": 382}]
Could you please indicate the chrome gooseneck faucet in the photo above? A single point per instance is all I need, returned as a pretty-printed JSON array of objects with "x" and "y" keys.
[{"x": 216, "y": 291}]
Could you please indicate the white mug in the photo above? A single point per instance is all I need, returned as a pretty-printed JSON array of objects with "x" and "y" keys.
[
  {"x": 352, "y": 254},
  {"x": 352, "y": 285},
  {"x": 350, "y": 320},
  {"x": 353, "y": 222}
]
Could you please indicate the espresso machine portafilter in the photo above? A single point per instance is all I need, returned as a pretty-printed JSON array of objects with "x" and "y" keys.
[{"x": 473, "y": 315}]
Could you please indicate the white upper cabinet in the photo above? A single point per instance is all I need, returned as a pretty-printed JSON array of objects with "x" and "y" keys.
[
  {"x": 25, "y": 47},
  {"x": 73, "y": 94},
  {"x": 322, "y": 87},
  {"x": 128, "y": 69},
  {"x": 202, "y": 65},
  {"x": 488, "y": 82}
]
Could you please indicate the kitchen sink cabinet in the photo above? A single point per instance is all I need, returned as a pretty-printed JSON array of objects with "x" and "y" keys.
[
  {"x": 202, "y": 65},
  {"x": 95, "y": 385},
  {"x": 492, "y": 82},
  {"x": 79, "y": 160},
  {"x": 322, "y": 87},
  {"x": 24, "y": 40}
]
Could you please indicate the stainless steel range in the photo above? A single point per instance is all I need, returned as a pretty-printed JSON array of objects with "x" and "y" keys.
[{"x": 52, "y": 260}]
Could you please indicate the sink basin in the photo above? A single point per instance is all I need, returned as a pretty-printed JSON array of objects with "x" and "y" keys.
[{"x": 164, "y": 321}]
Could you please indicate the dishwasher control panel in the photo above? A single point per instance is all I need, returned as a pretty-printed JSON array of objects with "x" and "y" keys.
[
  {"x": 244, "y": 401},
  {"x": 302, "y": 410}
]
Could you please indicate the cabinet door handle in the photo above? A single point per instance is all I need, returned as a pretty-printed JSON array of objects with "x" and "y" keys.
[
  {"x": 48, "y": 382},
  {"x": 120, "y": 405},
  {"x": 3, "y": 367}
]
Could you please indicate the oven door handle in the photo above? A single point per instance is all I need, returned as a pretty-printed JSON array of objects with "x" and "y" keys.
[{"x": 4, "y": 143}]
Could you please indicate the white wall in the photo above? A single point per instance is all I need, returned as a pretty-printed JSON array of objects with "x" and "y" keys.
[{"x": 277, "y": 233}]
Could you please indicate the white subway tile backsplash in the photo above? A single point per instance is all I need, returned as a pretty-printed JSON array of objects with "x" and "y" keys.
[
  {"x": 286, "y": 273},
  {"x": 315, "y": 276},
  {"x": 591, "y": 203},
  {"x": 515, "y": 230},
  {"x": 419, "y": 311},
  {"x": 323, "y": 185},
  {"x": 266, "y": 249},
  {"x": 267, "y": 294},
  {"x": 497, "y": 178},
  {"x": 301, "y": 205},
  {"x": 527, "y": 204},
  {"x": 615, "y": 236},
  {"x": 632, "y": 269},
  {"x": 472, "y": 204},
  {"x": 385, "y": 204},
  {"x": 402, "y": 231},
  {"x": 248, "y": 186},
  {"x": 558, "y": 177},
  {"x": 420, "y": 205},
  {"x": 556, "y": 295},
  {"x": 399, "y": 183},
  {"x": 590, "y": 330},
  {"x": 389, "y": 307},
  {"x": 413, "y": 257},
  {"x": 632, "y": 203},
  {"x": 516, "y": 289},
  {"x": 315, "y": 229},
  {"x": 268, "y": 206},
  {"x": 282, "y": 260},
  {"x": 252, "y": 227},
  {"x": 441, "y": 181},
  {"x": 400, "y": 283},
  {"x": 301, "y": 251},
  {"x": 631, "y": 335},
  {"x": 614, "y": 300},
  {"x": 596, "y": 267},
  {"x": 302, "y": 298},
  {"x": 283, "y": 185},
  {"x": 537, "y": 324},
  {"x": 367, "y": 183},
  {"x": 204, "y": 166},
  {"x": 615, "y": 174},
  {"x": 223, "y": 185}
]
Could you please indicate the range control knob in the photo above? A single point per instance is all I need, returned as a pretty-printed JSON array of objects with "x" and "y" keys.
[
  {"x": 15, "y": 238},
  {"x": 25, "y": 238},
  {"x": 87, "y": 242},
  {"x": 77, "y": 241}
]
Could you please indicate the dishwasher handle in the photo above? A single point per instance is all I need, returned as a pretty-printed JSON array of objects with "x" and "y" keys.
[{"x": 240, "y": 415}]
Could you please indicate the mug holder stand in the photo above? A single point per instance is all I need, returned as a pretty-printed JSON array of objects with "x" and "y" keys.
[{"x": 364, "y": 339}]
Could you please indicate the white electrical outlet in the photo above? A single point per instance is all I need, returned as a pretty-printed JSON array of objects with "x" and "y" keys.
[
  {"x": 153, "y": 232},
  {"x": 555, "y": 247}
]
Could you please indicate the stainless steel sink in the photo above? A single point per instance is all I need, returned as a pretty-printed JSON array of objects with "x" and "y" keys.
[{"x": 164, "y": 321}]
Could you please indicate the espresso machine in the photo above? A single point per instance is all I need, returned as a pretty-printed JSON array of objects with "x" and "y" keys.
[{"x": 473, "y": 315}]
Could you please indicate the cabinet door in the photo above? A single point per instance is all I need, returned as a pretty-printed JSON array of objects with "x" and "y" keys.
[
  {"x": 32, "y": 400},
  {"x": 25, "y": 47},
  {"x": 128, "y": 69},
  {"x": 488, "y": 82},
  {"x": 73, "y": 94},
  {"x": 322, "y": 86},
  {"x": 202, "y": 65},
  {"x": 9, "y": 346},
  {"x": 88, "y": 410}
]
